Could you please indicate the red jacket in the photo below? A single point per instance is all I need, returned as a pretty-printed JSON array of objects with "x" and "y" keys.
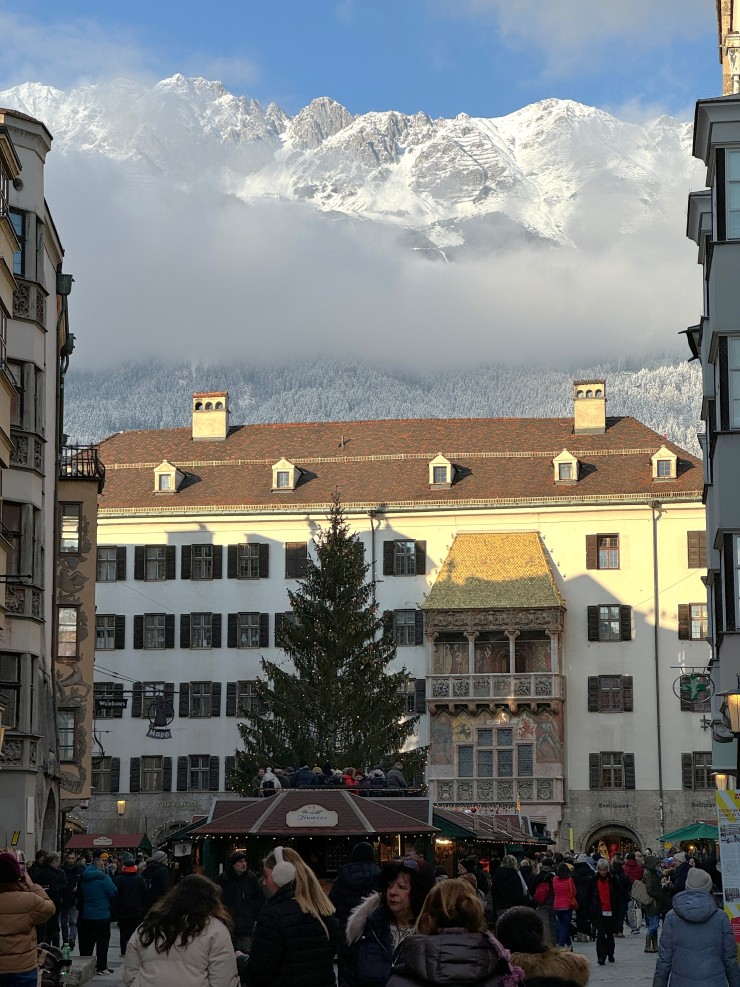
[{"x": 633, "y": 870}]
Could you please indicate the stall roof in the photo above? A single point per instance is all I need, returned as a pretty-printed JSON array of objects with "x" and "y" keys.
[
  {"x": 697, "y": 831},
  {"x": 478, "y": 826},
  {"x": 109, "y": 841},
  {"x": 328, "y": 813}
]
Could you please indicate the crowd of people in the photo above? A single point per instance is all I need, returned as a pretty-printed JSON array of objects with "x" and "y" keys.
[
  {"x": 268, "y": 781},
  {"x": 395, "y": 924}
]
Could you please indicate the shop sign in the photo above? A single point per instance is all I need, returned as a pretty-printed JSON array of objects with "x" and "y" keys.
[
  {"x": 102, "y": 841},
  {"x": 311, "y": 815}
]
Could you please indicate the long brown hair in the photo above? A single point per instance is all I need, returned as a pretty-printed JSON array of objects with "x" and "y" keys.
[
  {"x": 183, "y": 913},
  {"x": 451, "y": 904}
]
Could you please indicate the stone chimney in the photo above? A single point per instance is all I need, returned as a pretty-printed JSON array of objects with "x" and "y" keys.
[
  {"x": 210, "y": 416},
  {"x": 589, "y": 407}
]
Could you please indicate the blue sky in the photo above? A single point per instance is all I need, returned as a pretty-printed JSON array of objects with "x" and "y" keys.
[{"x": 636, "y": 58}]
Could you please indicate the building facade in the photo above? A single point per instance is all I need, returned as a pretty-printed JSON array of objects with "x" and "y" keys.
[{"x": 544, "y": 578}]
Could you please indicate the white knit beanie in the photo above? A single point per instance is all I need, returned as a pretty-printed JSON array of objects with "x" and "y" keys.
[{"x": 283, "y": 872}]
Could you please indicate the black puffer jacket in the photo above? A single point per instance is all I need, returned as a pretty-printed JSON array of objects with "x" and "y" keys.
[
  {"x": 290, "y": 948},
  {"x": 507, "y": 889},
  {"x": 243, "y": 896},
  {"x": 130, "y": 903},
  {"x": 353, "y": 883},
  {"x": 454, "y": 956},
  {"x": 158, "y": 881}
]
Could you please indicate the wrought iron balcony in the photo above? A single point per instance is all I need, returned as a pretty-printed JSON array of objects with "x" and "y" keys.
[
  {"x": 490, "y": 687},
  {"x": 81, "y": 463}
]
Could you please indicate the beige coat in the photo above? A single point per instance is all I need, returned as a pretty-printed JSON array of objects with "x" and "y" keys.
[
  {"x": 207, "y": 961},
  {"x": 554, "y": 962},
  {"x": 22, "y": 908}
]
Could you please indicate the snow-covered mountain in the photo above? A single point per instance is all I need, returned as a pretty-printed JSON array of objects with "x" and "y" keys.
[{"x": 544, "y": 173}]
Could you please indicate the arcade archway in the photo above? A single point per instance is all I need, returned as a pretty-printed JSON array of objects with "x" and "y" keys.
[{"x": 611, "y": 838}]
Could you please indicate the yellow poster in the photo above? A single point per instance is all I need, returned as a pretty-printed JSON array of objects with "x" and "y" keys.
[{"x": 728, "y": 820}]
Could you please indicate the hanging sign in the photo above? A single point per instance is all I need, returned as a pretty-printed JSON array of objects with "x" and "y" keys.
[
  {"x": 312, "y": 815},
  {"x": 728, "y": 820},
  {"x": 161, "y": 713},
  {"x": 694, "y": 690}
]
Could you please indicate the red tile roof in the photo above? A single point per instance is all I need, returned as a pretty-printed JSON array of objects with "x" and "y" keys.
[{"x": 498, "y": 460}]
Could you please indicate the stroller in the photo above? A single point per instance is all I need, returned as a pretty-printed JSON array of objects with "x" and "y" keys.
[{"x": 52, "y": 966}]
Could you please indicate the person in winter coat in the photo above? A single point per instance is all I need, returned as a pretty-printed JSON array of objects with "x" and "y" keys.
[
  {"x": 605, "y": 905},
  {"x": 296, "y": 934},
  {"x": 51, "y": 877},
  {"x": 96, "y": 891},
  {"x": 130, "y": 902},
  {"x": 522, "y": 932},
  {"x": 653, "y": 911},
  {"x": 508, "y": 887},
  {"x": 380, "y": 924},
  {"x": 564, "y": 893},
  {"x": 625, "y": 885},
  {"x": 270, "y": 783},
  {"x": 683, "y": 866},
  {"x": 23, "y": 906},
  {"x": 243, "y": 896},
  {"x": 697, "y": 948},
  {"x": 471, "y": 865},
  {"x": 157, "y": 876},
  {"x": 303, "y": 777},
  {"x": 353, "y": 882},
  {"x": 583, "y": 873},
  {"x": 183, "y": 940},
  {"x": 395, "y": 778},
  {"x": 452, "y": 944},
  {"x": 73, "y": 871}
]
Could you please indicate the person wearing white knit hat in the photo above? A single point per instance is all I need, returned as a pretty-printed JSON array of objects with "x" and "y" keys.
[{"x": 296, "y": 934}]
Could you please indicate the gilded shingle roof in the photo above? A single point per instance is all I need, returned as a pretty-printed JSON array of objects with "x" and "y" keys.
[
  {"x": 501, "y": 570},
  {"x": 497, "y": 460}
]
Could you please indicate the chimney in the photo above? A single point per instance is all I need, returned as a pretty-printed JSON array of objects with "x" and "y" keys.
[
  {"x": 210, "y": 416},
  {"x": 589, "y": 407}
]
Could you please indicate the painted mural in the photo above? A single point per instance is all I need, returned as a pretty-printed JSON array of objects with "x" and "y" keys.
[{"x": 542, "y": 729}]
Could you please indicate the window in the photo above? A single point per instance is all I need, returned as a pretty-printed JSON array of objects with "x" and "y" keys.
[
  {"x": 485, "y": 753},
  {"x": 525, "y": 760},
  {"x": 248, "y": 561},
  {"x": 283, "y": 479},
  {"x": 296, "y": 560},
  {"x": 611, "y": 770},
  {"x": 17, "y": 402},
  {"x": 164, "y": 481},
  {"x": 733, "y": 195},
  {"x": 202, "y": 561},
  {"x": 200, "y": 698},
  {"x": 102, "y": 768},
  {"x": 150, "y": 691},
  {"x": 104, "y": 693},
  {"x": 439, "y": 474},
  {"x": 404, "y": 560},
  {"x": 12, "y": 525},
  {"x": 696, "y": 549},
  {"x": 465, "y": 761},
  {"x": 67, "y": 631},
  {"x": 248, "y": 630},
  {"x": 199, "y": 772},
  {"x": 565, "y": 471},
  {"x": 610, "y": 694},
  {"x": 405, "y": 627},
  {"x": 154, "y": 627},
  {"x": 247, "y": 697},
  {"x": 66, "y": 735},
  {"x": 201, "y": 630},
  {"x": 734, "y": 380},
  {"x": 151, "y": 774},
  {"x": 663, "y": 469},
  {"x": 696, "y": 771},
  {"x": 107, "y": 565},
  {"x": 105, "y": 632},
  {"x": 155, "y": 562},
  {"x": 693, "y": 624},
  {"x": 408, "y": 692},
  {"x": 69, "y": 526},
  {"x": 608, "y": 551},
  {"x": 18, "y": 219},
  {"x": 610, "y": 622},
  {"x": 10, "y": 689}
]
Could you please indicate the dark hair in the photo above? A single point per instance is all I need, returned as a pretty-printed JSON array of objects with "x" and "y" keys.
[
  {"x": 183, "y": 913},
  {"x": 419, "y": 874},
  {"x": 521, "y": 930},
  {"x": 470, "y": 864},
  {"x": 563, "y": 871}
]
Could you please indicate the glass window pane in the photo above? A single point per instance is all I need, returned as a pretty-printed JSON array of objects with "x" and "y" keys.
[
  {"x": 525, "y": 759},
  {"x": 505, "y": 737},
  {"x": 505, "y": 764},
  {"x": 733, "y": 164},
  {"x": 733, "y": 198},
  {"x": 485, "y": 738},
  {"x": 485, "y": 764},
  {"x": 733, "y": 225},
  {"x": 465, "y": 762}
]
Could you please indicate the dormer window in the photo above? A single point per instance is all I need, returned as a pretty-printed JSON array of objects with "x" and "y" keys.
[
  {"x": 565, "y": 468},
  {"x": 664, "y": 464},
  {"x": 167, "y": 478},
  {"x": 441, "y": 472},
  {"x": 285, "y": 476}
]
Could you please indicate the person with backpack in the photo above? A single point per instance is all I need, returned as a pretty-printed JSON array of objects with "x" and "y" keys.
[
  {"x": 242, "y": 894},
  {"x": 157, "y": 876}
]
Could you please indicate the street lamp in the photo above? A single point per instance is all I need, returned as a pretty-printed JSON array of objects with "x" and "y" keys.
[
  {"x": 731, "y": 710},
  {"x": 121, "y": 807},
  {"x": 723, "y": 781}
]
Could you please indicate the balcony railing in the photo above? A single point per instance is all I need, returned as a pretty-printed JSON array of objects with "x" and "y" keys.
[
  {"x": 29, "y": 301},
  {"x": 488, "y": 687},
  {"x": 81, "y": 463},
  {"x": 499, "y": 791}
]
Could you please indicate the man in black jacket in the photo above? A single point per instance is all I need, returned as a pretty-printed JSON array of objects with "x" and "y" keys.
[
  {"x": 242, "y": 894},
  {"x": 73, "y": 869},
  {"x": 157, "y": 877}
]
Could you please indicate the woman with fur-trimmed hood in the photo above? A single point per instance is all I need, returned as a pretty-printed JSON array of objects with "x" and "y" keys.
[{"x": 522, "y": 932}]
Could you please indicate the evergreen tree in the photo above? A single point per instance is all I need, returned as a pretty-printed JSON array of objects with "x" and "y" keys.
[{"x": 334, "y": 699}]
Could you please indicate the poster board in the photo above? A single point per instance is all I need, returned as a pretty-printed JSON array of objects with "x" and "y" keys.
[{"x": 728, "y": 820}]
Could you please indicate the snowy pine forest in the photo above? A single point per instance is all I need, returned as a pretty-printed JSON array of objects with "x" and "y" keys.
[{"x": 666, "y": 395}]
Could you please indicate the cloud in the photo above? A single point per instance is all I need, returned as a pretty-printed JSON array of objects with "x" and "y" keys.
[{"x": 234, "y": 72}]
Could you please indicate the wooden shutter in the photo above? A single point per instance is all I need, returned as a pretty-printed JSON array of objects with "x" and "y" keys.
[
  {"x": 213, "y": 773},
  {"x": 729, "y": 577},
  {"x": 421, "y": 558},
  {"x": 696, "y": 546},
  {"x": 628, "y": 701},
  {"x": 139, "y": 631},
  {"x": 184, "y": 630},
  {"x": 186, "y": 561},
  {"x": 296, "y": 558},
  {"x": 166, "y": 774},
  {"x": 629, "y": 771},
  {"x": 120, "y": 562},
  {"x": 264, "y": 560},
  {"x": 231, "y": 699},
  {"x": 684, "y": 622},
  {"x": 169, "y": 693},
  {"x": 594, "y": 771},
  {"x": 115, "y": 774},
  {"x": 720, "y": 192},
  {"x": 134, "y": 782},
  {"x": 182, "y": 774},
  {"x": 593, "y": 693},
  {"x": 420, "y": 696},
  {"x": 117, "y": 694},
  {"x": 593, "y": 623},
  {"x": 184, "y": 699},
  {"x": 229, "y": 768},
  {"x": 625, "y": 623},
  {"x": 724, "y": 384},
  {"x": 169, "y": 630},
  {"x": 215, "y": 698},
  {"x": 169, "y": 562},
  {"x": 419, "y": 627},
  {"x": 265, "y": 630},
  {"x": 389, "y": 622},
  {"x": 139, "y": 561},
  {"x": 137, "y": 698},
  {"x": 232, "y": 630},
  {"x": 119, "y": 637},
  {"x": 218, "y": 561},
  {"x": 279, "y": 618},
  {"x": 389, "y": 558},
  {"x": 215, "y": 630},
  {"x": 687, "y": 771},
  {"x": 592, "y": 552},
  {"x": 232, "y": 561}
]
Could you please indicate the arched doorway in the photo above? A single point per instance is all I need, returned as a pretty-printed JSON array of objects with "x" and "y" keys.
[{"x": 611, "y": 838}]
